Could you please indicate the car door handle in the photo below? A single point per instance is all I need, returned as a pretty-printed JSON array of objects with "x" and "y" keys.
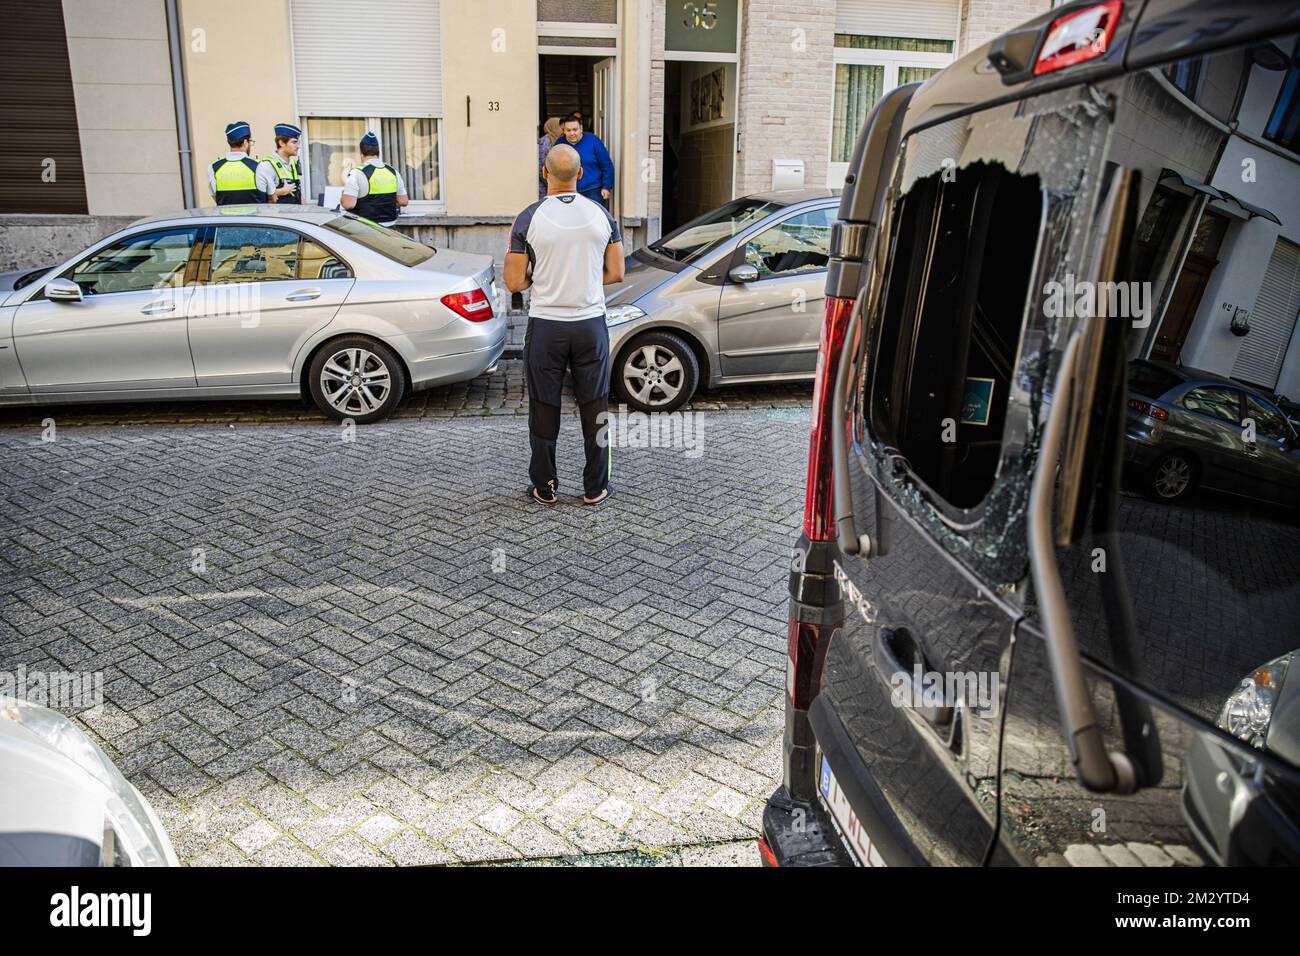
[
  {"x": 159, "y": 308},
  {"x": 303, "y": 295}
]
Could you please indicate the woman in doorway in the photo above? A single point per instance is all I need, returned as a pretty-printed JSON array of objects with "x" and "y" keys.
[{"x": 550, "y": 134}]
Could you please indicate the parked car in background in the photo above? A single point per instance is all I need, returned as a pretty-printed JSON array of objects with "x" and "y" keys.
[
  {"x": 64, "y": 802},
  {"x": 993, "y": 656},
  {"x": 1190, "y": 429},
  {"x": 250, "y": 302},
  {"x": 733, "y": 296}
]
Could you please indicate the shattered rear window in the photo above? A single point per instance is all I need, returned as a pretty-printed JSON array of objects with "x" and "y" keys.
[{"x": 985, "y": 211}]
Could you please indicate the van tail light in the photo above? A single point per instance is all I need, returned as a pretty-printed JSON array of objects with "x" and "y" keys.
[
  {"x": 472, "y": 305},
  {"x": 818, "y": 519},
  {"x": 1146, "y": 408},
  {"x": 803, "y": 641},
  {"x": 1078, "y": 37}
]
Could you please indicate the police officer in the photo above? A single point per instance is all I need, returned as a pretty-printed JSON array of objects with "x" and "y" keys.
[
  {"x": 237, "y": 179},
  {"x": 374, "y": 190},
  {"x": 285, "y": 163}
]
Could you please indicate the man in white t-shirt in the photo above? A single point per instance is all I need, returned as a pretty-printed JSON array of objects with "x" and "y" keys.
[{"x": 566, "y": 248}]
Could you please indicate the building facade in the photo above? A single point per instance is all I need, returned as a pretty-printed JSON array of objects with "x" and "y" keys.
[{"x": 697, "y": 100}]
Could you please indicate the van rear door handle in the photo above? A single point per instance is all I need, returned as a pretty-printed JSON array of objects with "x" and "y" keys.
[
  {"x": 302, "y": 295},
  {"x": 897, "y": 656}
]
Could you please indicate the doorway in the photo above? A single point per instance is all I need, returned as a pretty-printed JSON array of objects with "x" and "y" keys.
[
  {"x": 1189, "y": 288},
  {"x": 699, "y": 145},
  {"x": 585, "y": 84}
]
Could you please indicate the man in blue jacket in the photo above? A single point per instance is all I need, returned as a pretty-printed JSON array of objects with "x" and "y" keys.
[{"x": 597, "y": 182}]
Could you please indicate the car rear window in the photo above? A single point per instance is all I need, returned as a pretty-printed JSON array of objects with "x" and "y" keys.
[
  {"x": 387, "y": 242},
  {"x": 1150, "y": 380}
]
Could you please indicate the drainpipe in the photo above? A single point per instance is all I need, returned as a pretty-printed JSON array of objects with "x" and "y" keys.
[{"x": 182, "y": 111}]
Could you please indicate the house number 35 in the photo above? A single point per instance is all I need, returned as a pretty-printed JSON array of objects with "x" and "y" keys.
[{"x": 703, "y": 16}]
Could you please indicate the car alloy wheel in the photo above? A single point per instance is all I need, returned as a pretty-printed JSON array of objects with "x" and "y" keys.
[
  {"x": 1173, "y": 477},
  {"x": 356, "y": 378},
  {"x": 657, "y": 372},
  {"x": 355, "y": 382},
  {"x": 653, "y": 375}
]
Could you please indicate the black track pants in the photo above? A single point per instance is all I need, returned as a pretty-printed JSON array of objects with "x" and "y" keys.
[{"x": 551, "y": 347}]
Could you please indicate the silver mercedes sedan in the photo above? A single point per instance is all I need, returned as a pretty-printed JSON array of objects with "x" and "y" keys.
[
  {"x": 733, "y": 296},
  {"x": 250, "y": 302}
]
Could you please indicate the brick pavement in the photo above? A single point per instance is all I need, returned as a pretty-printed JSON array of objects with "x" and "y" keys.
[{"x": 388, "y": 655}]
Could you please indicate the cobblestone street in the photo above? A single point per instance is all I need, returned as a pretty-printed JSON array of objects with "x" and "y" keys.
[{"x": 379, "y": 651}]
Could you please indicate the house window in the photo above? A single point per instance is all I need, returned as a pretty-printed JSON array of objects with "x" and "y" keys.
[
  {"x": 411, "y": 146},
  {"x": 372, "y": 66},
  {"x": 866, "y": 68},
  {"x": 1284, "y": 122}
]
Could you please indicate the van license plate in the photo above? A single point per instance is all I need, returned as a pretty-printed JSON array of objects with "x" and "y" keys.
[{"x": 846, "y": 820}]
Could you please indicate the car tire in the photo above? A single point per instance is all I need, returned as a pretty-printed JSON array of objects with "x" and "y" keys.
[
  {"x": 333, "y": 377},
  {"x": 1172, "y": 477},
  {"x": 656, "y": 372}
]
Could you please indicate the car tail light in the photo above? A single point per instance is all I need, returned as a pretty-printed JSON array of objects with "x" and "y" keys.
[
  {"x": 818, "y": 519},
  {"x": 765, "y": 852},
  {"x": 1077, "y": 37},
  {"x": 1146, "y": 408},
  {"x": 473, "y": 305}
]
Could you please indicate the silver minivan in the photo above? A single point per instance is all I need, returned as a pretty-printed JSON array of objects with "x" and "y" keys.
[{"x": 733, "y": 296}]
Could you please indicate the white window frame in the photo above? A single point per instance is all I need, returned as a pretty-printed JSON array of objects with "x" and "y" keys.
[
  {"x": 891, "y": 60},
  {"x": 421, "y": 207}
]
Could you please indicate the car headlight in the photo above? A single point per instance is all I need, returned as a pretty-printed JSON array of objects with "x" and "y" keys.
[
  {"x": 618, "y": 314},
  {"x": 1248, "y": 710},
  {"x": 130, "y": 837}
]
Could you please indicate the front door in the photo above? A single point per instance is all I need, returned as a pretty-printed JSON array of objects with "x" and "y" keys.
[
  {"x": 267, "y": 290},
  {"x": 1182, "y": 309},
  {"x": 604, "y": 118},
  {"x": 772, "y": 325},
  {"x": 128, "y": 331}
]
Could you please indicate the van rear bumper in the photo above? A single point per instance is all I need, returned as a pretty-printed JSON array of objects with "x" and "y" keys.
[{"x": 799, "y": 833}]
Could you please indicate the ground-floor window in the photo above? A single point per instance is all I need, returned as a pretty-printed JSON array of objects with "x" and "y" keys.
[
  {"x": 866, "y": 68},
  {"x": 409, "y": 145}
]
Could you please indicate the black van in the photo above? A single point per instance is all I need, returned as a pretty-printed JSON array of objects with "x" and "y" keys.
[{"x": 999, "y": 651}]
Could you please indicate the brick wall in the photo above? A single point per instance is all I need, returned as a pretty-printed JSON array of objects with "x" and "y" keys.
[
  {"x": 983, "y": 20},
  {"x": 655, "y": 136},
  {"x": 786, "y": 80}
]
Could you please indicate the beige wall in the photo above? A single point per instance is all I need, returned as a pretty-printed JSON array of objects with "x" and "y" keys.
[
  {"x": 637, "y": 24},
  {"x": 122, "y": 81},
  {"x": 235, "y": 72},
  {"x": 491, "y": 165}
]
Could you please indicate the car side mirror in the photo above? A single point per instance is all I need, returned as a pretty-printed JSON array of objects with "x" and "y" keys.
[
  {"x": 62, "y": 290},
  {"x": 743, "y": 273}
]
